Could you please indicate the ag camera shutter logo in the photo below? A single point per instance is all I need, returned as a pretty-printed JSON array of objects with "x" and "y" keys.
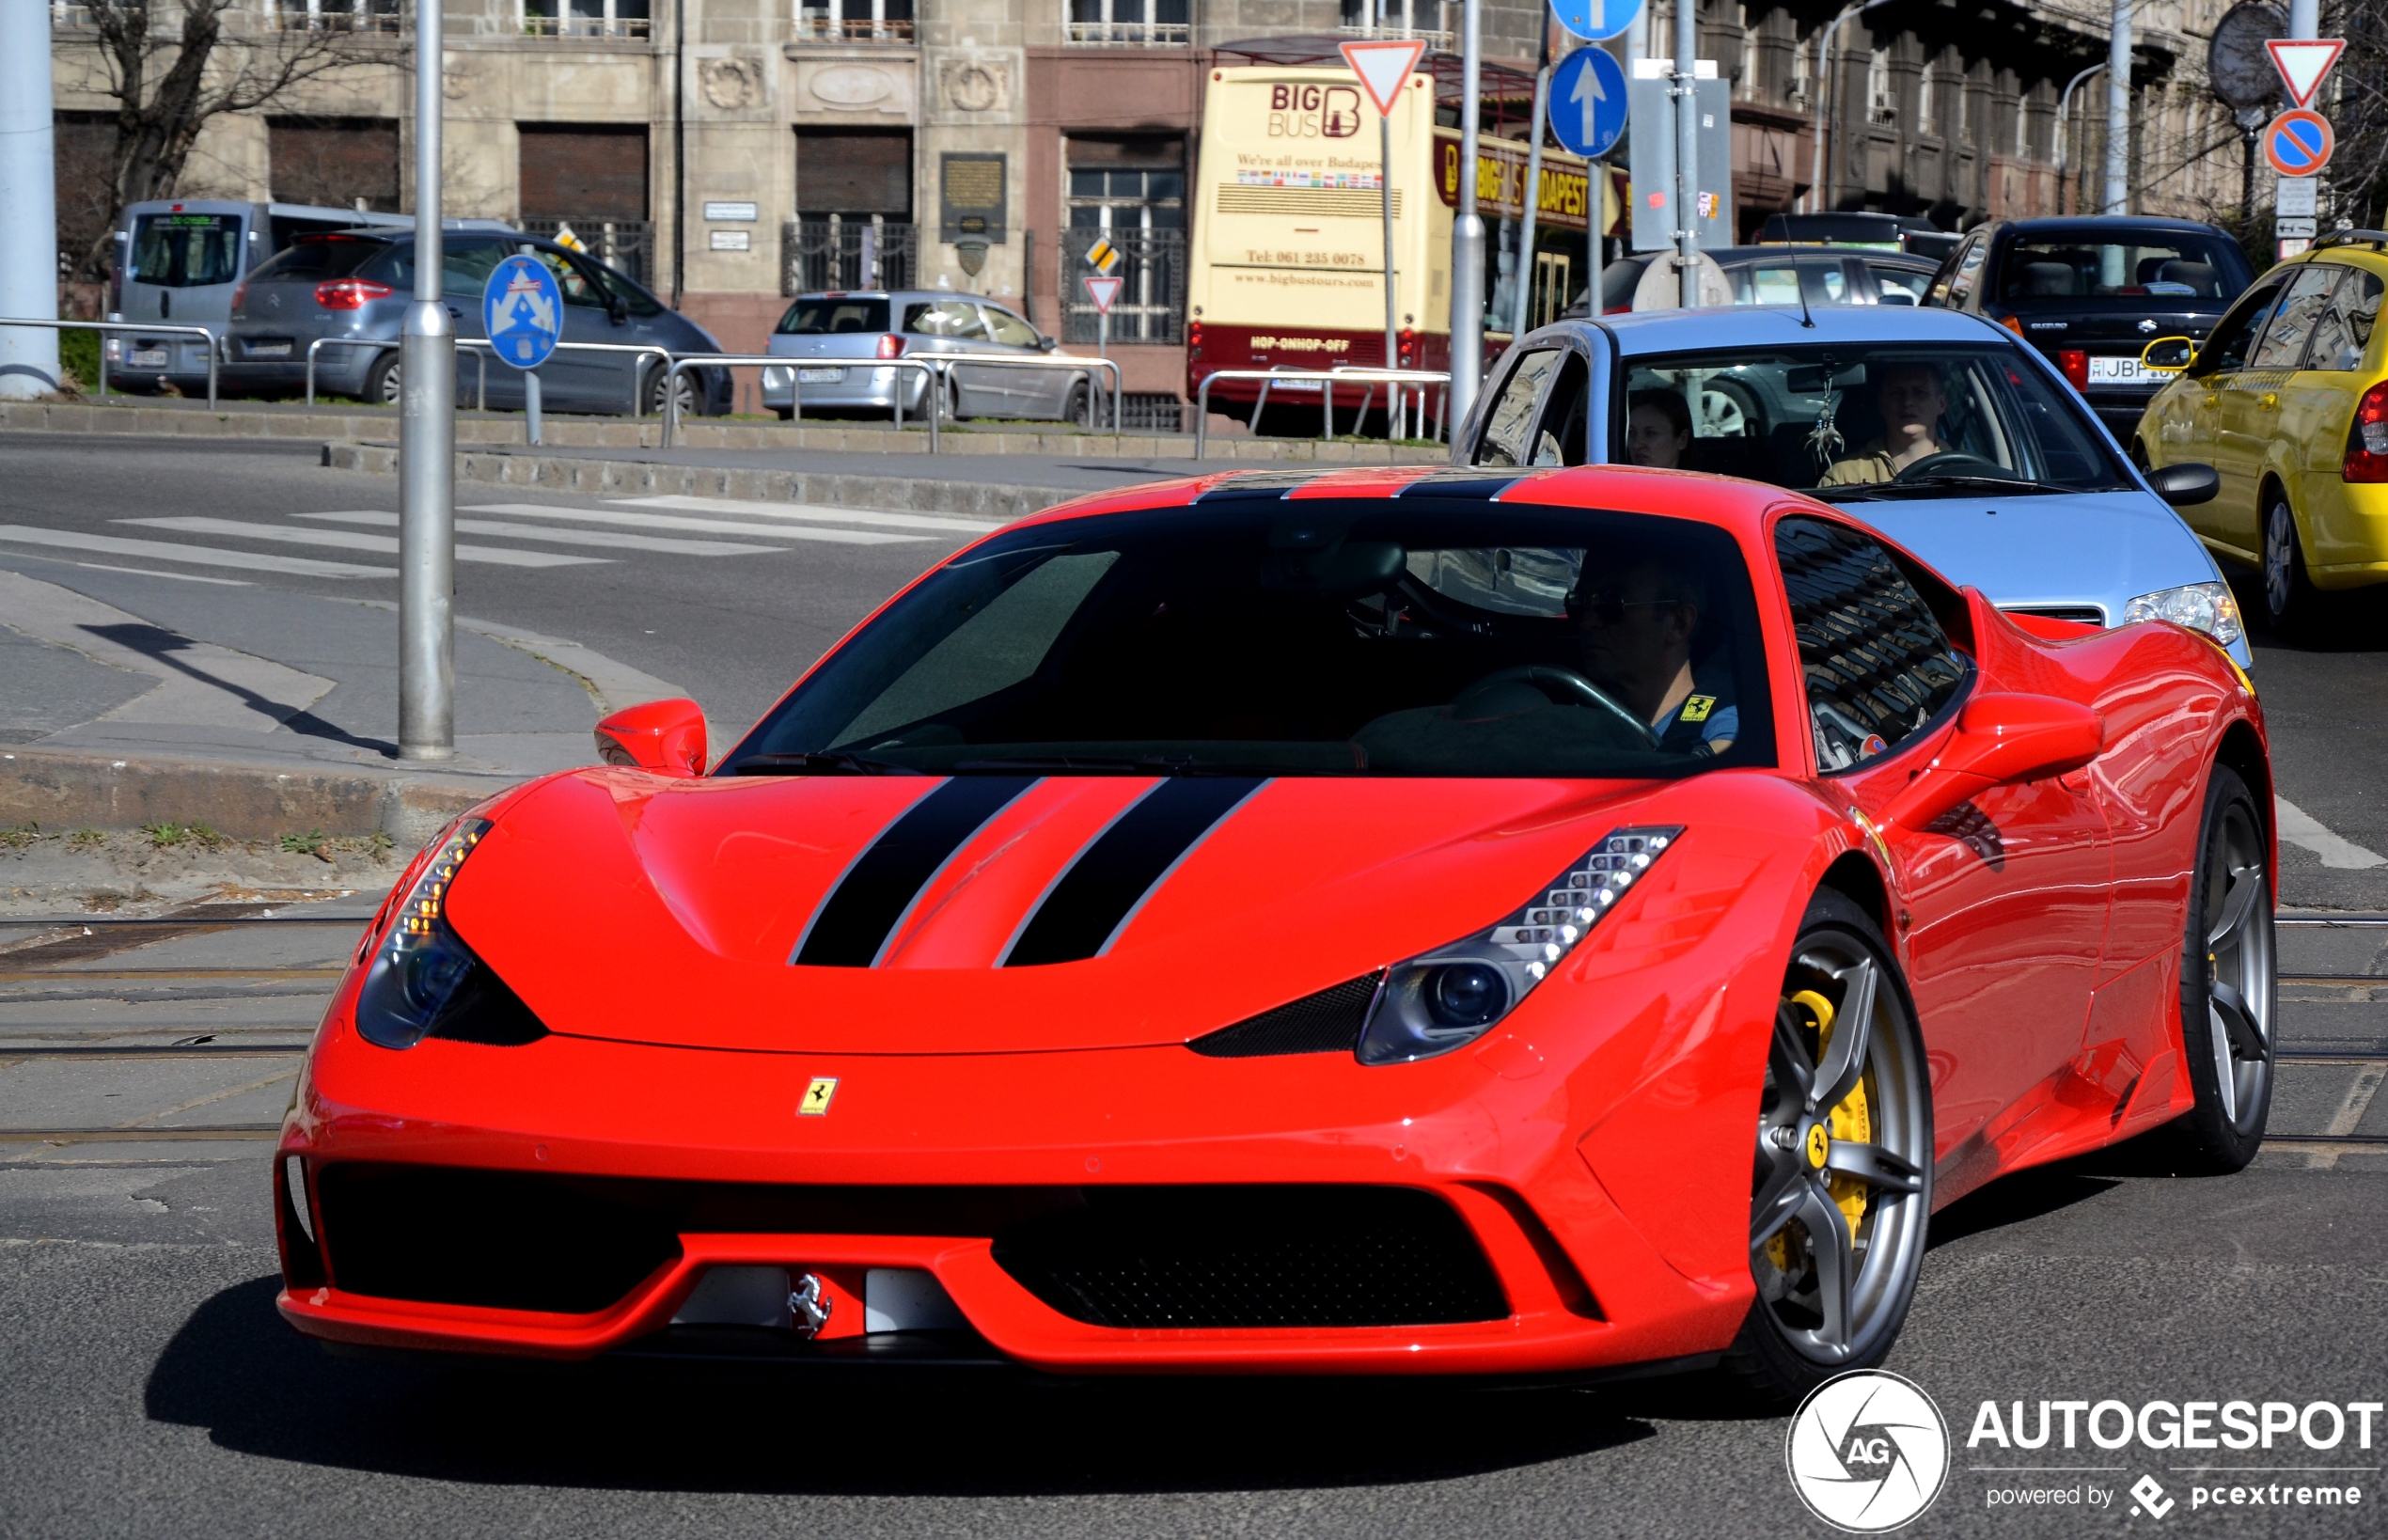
[{"x": 1867, "y": 1452}]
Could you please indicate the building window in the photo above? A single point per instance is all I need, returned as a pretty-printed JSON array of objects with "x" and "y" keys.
[
  {"x": 333, "y": 15},
  {"x": 1427, "y": 19},
  {"x": 1130, "y": 23},
  {"x": 1883, "y": 107},
  {"x": 585, "y": 18},
  {"x": 1128, "y": 194},
  {"x": 854, "y": 21}
]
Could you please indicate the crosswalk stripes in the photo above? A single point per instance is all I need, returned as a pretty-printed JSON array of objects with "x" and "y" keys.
[
  {"x": 495, "y": 555},
  {"x": 627, "y": 528}
]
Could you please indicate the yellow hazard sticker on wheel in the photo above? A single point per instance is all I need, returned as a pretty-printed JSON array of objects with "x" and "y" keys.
[{"x": 816, "y": 1096}]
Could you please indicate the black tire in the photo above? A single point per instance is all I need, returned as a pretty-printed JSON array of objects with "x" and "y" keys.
[
  {"x": 785, "y": 414},
  {"x": 2229, "y": 969},
  {"x": 692, "y": 394},
  {"x": 2292, "y": 603},
  {"x": 1079, "y": 409},
  {"x": 951, "y": 399},
  {"x": 1871, "y": 1147},
  {"x": 383, "y": 386}
]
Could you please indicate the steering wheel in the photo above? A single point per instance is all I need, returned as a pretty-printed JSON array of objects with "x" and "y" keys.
[
  {"x": 1956, "y": 463},
  {"x": 1565, "y": 686}
]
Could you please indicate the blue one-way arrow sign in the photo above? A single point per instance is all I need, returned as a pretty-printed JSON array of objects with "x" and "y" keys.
[
  {"x": 1593, "y": 20},
  {"x": 1588, "y": 102}
]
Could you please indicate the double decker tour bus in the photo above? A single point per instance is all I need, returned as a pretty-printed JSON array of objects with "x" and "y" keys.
[{"x": 1288, "y": 258}]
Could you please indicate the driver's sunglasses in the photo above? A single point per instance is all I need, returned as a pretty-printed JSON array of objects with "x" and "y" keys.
[{"x": 1609, "y": 609}]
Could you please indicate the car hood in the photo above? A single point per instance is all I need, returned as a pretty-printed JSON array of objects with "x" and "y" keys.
[
  {"x": 2048, "y": 549},
  {"x": 621, "y": 905}
]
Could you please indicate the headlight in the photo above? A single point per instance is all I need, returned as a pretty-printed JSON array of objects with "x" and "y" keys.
[
  {"x": 1446, "y": 999},
  {"x": 425, "y": 981},
  {"x": 2200, "y": 606}
]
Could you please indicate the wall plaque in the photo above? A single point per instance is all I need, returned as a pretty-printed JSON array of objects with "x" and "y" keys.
[{"x": 971, "y": 197}]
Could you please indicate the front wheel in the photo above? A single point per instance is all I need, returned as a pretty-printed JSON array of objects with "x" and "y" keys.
[
  {"x": 2229, "y": 984},
  {"x": 1842, "y": 1186}
]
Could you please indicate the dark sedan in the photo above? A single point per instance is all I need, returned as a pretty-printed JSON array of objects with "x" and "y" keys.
[
  {"x": 2091, "y": 293},
  {"x": 354, "y": 286},
  {"x": 1822, "y": 275}
]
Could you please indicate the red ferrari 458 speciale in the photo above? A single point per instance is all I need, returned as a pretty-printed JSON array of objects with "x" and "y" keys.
[{"x": 1558, "y": 923}]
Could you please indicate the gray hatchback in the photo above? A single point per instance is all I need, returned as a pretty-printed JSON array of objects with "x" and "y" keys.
[
  {"x": 354, "y": 287},
  {"x": 835, "y": 337}
]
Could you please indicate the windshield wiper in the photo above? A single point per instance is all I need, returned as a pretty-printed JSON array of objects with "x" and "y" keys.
[
  {"x": 1927, "y": 486},
  {"x": 818, "y": 764}
]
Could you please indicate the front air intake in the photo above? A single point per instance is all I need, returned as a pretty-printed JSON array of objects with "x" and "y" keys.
[
  {"x": 1326, "y": 1022},
  {"x": 1231, "y": 1257}
]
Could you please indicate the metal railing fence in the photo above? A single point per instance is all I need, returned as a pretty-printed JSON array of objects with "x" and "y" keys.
[
  {"x": 795, "y": 399},
  {"x": 214, "y": 343},
  {"x": 482, "y": 352},
  {"x": 1397, "y": 382},
  {"x": 1008, "y": 360}
]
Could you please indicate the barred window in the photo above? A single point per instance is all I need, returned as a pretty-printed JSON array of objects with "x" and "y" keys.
[{"x": 1878, "y": 666}]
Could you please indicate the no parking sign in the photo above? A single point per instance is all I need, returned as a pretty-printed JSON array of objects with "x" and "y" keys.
[{"x": 2298, "y": 142}]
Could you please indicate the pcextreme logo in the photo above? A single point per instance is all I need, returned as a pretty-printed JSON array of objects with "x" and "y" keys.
[{"x": 1867, "y": 1452}]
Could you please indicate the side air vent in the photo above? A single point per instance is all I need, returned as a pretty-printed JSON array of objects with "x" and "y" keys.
[
  {"x": 1326, "y": 1022},
  {"x": 2082, "y": 614},
  {"x": 1241, "y": 1257}
]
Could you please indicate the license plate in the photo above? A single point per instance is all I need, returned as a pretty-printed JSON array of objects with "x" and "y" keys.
[
  {"x": 269, "y": 350},
  {"x": 820, "y": 376},
  {"x": 148, "y": 359},
  {"x": 1279, "y": 387},
  {"x": 2116, "y": 370}
]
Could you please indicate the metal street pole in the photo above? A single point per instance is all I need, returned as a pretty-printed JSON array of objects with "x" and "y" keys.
[
  {"x": 2304, "y": 18},
  {"x": 29, "y": 235},
  {"x": 2063, "y": 105},
  {"x": 1524, "y": 311},
  {"x": 2118, "y": 127},
  {"x": 1686, "y": 95},
  {"x": 427, "y": 444},
  {"x": 1393, "y": 353},
  {"x": 1468, "y": 229}
]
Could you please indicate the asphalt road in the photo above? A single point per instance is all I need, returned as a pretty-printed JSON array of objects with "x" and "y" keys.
[{"x": 152, "y": 1390}]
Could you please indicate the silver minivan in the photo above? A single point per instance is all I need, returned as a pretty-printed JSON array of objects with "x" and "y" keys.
[
  {"x": 835, "y": 337},
  {"x": 180, "y": 262}
]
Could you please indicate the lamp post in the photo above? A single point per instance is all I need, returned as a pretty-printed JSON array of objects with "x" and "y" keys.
[
  {"x": 1467, "y": 228},
  {"x": 426, "y": 443}
]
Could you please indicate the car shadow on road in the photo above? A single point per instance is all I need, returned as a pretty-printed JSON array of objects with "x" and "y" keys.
[{"x": 238, "y": 1371}]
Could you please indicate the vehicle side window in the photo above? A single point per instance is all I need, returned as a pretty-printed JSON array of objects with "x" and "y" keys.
[
  {"x": 1827, "y": 284},
  {"x": 576, "y": 284},
  {"x": 1009, "y": 329},
  {"x": 945, "y": 318},
  {"x": 2344, "y": 331},
  {"x": 1559, "y": 437},
  {"x": 1964, "y": 272},
  {"x": 1877, "y": 664},
  {"x": 1512, "y": 417},
  {"x": 465, "y": 269},
  {"x": 1897, "y": 285},
  {"x": 634, "y": 299},
  {"x": 2283, "y": 345},
  {"x": 2227, "y": 346}
]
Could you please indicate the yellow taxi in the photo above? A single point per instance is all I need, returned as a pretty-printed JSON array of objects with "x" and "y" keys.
[{"x": 2287, "y": 400}]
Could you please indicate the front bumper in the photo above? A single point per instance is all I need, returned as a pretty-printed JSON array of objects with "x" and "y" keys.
[{"x": 1586, "y": 1279}]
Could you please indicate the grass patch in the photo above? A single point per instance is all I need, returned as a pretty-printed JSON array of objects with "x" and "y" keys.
[
  {"x": 312, "y": 842},
  {"x": 175, "y": 836},
  {"x": 79, "y": 353},
  {"x": 17, "y": 837},
  {"x": 86, "y": 839}
]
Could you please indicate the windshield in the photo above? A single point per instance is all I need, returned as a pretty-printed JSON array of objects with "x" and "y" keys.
[
  {"x": 1849, "y": 421},
  {"x": 829, "y": 315},
  {"x": 1315, "y": 638},
  {"x": 2061, "y": 268},
  {"x": 186, "y": 250}
]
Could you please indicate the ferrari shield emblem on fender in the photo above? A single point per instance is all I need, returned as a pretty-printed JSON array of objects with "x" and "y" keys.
[{"x": 816, "y": 1096}]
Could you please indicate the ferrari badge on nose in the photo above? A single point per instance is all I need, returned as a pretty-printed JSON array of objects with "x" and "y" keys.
[{"x": 816, "y": 1097}]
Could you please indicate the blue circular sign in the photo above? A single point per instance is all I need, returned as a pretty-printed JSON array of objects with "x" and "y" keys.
[
  {"x": 523, "y": 312},
  {"x": 1593, "y": 20},
  {"x": 1588, "y": 102}
]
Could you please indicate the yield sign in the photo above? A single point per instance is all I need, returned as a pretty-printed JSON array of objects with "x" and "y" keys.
[
  {"x": 1103, "y": 292},
  {"x": 1382, "y": 66},
  {"x": 2303, "y": 63}
]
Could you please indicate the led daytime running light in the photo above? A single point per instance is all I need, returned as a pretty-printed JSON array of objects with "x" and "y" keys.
[
  {"x": 1544, "y": 931},
  {"x": 426, "y": 904}
]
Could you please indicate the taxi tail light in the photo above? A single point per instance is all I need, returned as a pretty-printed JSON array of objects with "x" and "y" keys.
[
  {"x": 350, "y": 293},
  {"x": 2075, "y": 363},
  {"x": 891, "y": 346},
  {"x": 2367, "y": 437}
]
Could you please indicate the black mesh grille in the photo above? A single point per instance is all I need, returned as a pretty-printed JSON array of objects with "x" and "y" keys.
[
  {"x": 1326, "y": 1022},
  {"x": 2085, "y": 614},
  {"x": 1144, "y": 1258}
]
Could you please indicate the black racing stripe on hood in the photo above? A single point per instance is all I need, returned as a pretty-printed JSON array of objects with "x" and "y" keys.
[
  {"x": 877, "y": 891},
  {"x": 1258, "y": 485},
  {"x": 1111, "y": 879},
  {"x": 1463, "y": 484}
]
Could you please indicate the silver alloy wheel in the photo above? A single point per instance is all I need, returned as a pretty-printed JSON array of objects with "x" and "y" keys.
[
  {"x": 393, "y": 389},
  {"x": 2238, "y": 970},
  {"x": 1835, "y": 1287},
  {"x": 2280, "y": 556}
]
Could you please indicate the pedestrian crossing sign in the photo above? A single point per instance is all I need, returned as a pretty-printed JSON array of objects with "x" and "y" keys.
[{"x": 1102, "y": 256}]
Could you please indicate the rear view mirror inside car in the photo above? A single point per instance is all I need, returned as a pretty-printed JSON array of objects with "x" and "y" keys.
[{"x": 1815, "y": 379}]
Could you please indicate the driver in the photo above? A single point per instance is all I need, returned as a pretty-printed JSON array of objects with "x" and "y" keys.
[
  {"x": 1909, "y": 398},
  {"x": 1637, "y": 625}
]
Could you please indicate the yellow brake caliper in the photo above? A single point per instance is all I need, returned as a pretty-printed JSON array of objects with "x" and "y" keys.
[{"x": 1848, "y": 1121}]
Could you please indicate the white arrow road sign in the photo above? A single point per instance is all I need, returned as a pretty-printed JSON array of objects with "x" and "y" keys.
[
  {"x": 1382, "y": 67},
  {"x": 2304, "y": 63},
  {"x": 1103, "y": 292}
]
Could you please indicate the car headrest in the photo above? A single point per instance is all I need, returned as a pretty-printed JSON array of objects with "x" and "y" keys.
[
  {"x": 2049, "y": 279},
  {"x": 2198, "y": 275}
]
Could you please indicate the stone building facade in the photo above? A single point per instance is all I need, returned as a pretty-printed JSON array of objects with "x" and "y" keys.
[{"x": 730, "y": 151}]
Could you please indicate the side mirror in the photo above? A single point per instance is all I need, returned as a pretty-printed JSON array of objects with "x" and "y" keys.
[
  {"x": 2000, "y": 739},
  {"x": 2168, "y": 354},
  {"x": 2186, "y": 485},
  {"x": 1046, "y": 344},
  {"x": 665, "y": 736}
]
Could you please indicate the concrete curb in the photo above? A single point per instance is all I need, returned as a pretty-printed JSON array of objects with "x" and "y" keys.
[
  {"x": 630, "y": 433},
  {"x": 66, "y": 791},
  {"x": 650, "y": 478}
]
